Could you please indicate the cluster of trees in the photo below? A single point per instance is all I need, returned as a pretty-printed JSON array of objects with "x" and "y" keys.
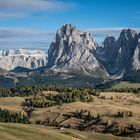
[
  {"x": 124, "y": 114},
  {"x": 59, "y": 99},
  {"x": 7, "y": 116},
  {"x": 20, "y": 91},
  {"x": 47, "y": 123},
  {"x": 38, "y": 102},
  {"x": 74, "y": 96},
  {"x": 128, "y": 90},
  {"x": 66, "y": 89},
  {"x": 124, "y": 131},
  {"x": 58, "y": 88},
  {"x": 84, "y": 115},
  {"x": 34, "y": 90}
]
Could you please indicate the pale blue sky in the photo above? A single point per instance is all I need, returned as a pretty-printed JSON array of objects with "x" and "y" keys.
[{"x": 32, "y": 23}]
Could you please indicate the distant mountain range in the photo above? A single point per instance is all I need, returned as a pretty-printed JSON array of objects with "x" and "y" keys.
[
  {"x": 30, "y": 59},
  {"x": 75, "y": 57}
]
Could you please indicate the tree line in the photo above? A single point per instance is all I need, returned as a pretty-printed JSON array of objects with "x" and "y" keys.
[
  {"x": 36, "y": 90},
  {"x": 7, "y": 116},
  {"x": 59, "y": 99},
  {"x": 19, "y": 91},
  {"x": 128, "y": 90}
]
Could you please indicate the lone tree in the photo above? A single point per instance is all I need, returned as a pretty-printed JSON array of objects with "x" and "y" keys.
[{"x": 130, "y": 114}]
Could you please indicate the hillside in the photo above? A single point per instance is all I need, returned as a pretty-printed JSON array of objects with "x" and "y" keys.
[
  {"x": 31, "y": 132},
  {"x": 28, "y": 132},
  {"x": 105, "y": 113}
]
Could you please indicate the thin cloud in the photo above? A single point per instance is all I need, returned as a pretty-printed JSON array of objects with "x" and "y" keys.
[
  {"x": 8, "y": 32},
  {"x": 24, "y": 38},
  {"x": 102, "y": 32},
  {"x": 21, "y": 32},
  {"x": 33, "y": 38},
  {"x": 14, "y": 38},
  {"x": 4, "y": 15},
  {"x": 23, "y": 8}
]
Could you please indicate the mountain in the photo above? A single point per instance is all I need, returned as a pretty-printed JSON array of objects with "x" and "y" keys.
[
  {"x": 136, "y": 56},
  {"x": 30, "y": 59},
  {"x": 74, "y": 58},
  {"x": 120, "y": 57},
  {"x": 74, "y": 52}
]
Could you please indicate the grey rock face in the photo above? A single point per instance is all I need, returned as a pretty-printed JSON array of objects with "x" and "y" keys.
[
  {"x": 136, "y": 57},
  {"x": 106, "y": 54},
  {"x": 73, "y": 50},
  {"x": 118, "y": 57},
  {"x": 31, "y": 59},
  {"x": 127, "y": 43}
]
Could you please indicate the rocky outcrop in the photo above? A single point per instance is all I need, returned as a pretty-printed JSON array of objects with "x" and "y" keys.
[
  {"x": 119, "y": 57},
  {"x": 107, "y": 54},
  {"x": 136, "y": 57},
  {"x": 31, "y": 59},
  {"x": 74, "y": 51},
  {"x": 126, "y": 43}
]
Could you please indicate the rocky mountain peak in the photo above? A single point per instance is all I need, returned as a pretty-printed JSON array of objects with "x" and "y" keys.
[
  {"x": 118, "y": 56},
  {"x": 138, "y": 35},
  {"x": 72, "y": 35},
  {"x": 136, "y": 57},
  {"x": 66, "y": 30},
  {"x": 109, "y": 41},
  {"x": 73, "y": 49},
  {"x": 127, "y": 34}
]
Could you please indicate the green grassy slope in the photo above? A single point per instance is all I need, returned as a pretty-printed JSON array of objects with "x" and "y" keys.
[
  {"x": 12, "y": 131},
  {"x": 125, "y": 85},
  {"x": 28, "y": 132}
]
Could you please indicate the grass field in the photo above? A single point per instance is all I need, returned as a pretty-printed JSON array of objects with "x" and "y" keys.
[
  {"x": 28, "y": 132},
  {"x": 31, "y": 132},
  {"x": 125, "y": 85},
  {"x": 106, "y": 107},
  {"x": 12, "y": 103},
  {"x": 112, "y": 103}
]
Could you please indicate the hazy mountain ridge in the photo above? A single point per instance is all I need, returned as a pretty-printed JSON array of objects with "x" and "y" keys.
[{"x": 30, "y": 59}]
